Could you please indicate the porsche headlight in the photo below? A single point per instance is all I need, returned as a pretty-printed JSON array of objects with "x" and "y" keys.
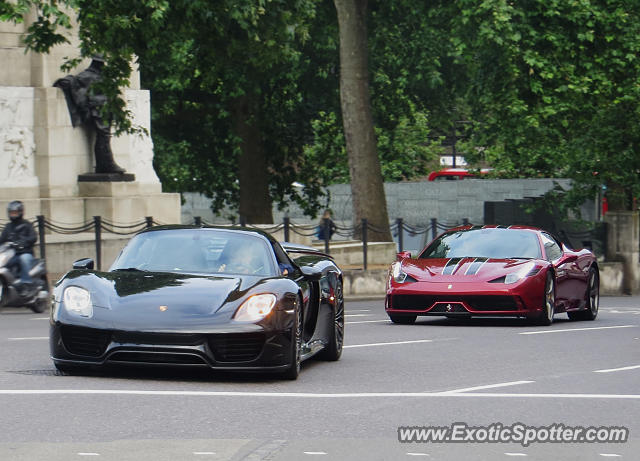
[
  {"x": 397, "y": 273},
  {"x": 78, "y": 301},
  {"x": 256, "y": 308}
]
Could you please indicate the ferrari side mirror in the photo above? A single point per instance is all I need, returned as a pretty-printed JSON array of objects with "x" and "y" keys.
[
  {"x": 83, "y": 264},
  {"x": 403, "y": 255},
  {"x": 568, "y": 259}
]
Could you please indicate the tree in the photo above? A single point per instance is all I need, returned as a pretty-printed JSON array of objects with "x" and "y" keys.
[
  {"x": 186, "y": 47},
  {"x": 555, "y": 90},
  {"x": 364, "y": 166}
]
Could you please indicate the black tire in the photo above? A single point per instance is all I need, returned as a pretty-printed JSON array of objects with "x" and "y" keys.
[
  {"x": 3, "y": 293},
  {"x": 592, "y": 296},
  {"x": 68, "y": 370},
  {"x": 296, "y": 346},
  {"x": 549, "y": 302},
  {"x": 333, "y": 351},
  {"x": 403, "y": 319}
]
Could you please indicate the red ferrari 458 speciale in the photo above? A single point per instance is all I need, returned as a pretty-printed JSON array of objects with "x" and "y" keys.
[{"x": 514, "y": 271}]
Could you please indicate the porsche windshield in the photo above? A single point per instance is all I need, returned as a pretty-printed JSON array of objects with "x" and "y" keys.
[
  {"x": 485, "y": 243},
  {"x": 208, "y": 251}
]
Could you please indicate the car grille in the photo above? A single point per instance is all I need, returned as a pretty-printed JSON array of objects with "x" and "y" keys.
[
  {"x": 175, "y": 358},
  {"x": 85, "y": 341},
  {"x": 475, "y": 302},
  {"x": 236, "y": 347},
  {"x": 157, "y": 339}
]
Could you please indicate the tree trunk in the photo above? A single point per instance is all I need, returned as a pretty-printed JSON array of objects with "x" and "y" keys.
[
  {"x": 367, "y": 188},
  {"x": 255, "y": 205}
]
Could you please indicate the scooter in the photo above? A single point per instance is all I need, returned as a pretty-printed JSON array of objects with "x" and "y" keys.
[{"x": 36, "y": 297}]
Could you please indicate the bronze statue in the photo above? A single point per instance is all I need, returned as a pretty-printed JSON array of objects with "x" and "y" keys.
[{"x": 85, "y": 107}]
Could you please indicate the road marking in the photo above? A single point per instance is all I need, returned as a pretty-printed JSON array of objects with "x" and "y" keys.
[
  {"x": 369, "y": 321},
  {"x": 33, "y": 338},
  {"x": 357, "y": 315},
  {"x": 490, "y": 386},
  {"x": 200, "y": 453},
  {"x": 308, "y": 395},
  {"x": 358, "y": 310},
  {"x": 314, "y": 453},
  {"x": 418, "y": 454},
  {"x": 609, "y": 370},
  {"x": 39, "y": 318},
  {"x": 610, "y": 455},
  {"x": 88, "y": 454},
  {"x": 516, "y": 454},
  {"x": 575, "y": 329},
  {"x": 389, "y": 344}
]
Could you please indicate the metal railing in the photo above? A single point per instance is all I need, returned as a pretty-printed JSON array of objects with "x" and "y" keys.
[{"x": 593, "y": 237}]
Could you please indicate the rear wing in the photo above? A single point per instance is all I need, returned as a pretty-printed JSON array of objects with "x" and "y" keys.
[{"x": 297, "y": 248}]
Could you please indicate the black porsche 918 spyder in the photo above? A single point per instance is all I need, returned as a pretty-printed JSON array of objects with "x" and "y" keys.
[{"x": 224, "y": 298}]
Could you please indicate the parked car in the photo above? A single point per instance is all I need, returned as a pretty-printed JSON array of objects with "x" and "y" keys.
[
  {"x": 221, "y": 298},
  {"x": 454, "y": 174},
  {"x": 515, "y": 271}
]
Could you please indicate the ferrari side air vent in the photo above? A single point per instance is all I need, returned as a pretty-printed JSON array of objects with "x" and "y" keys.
[
  {"x": 85, "y": 341},
  {"x": 237, "y": 347}
]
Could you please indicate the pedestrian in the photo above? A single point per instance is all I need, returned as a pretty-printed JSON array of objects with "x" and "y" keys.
[{"x": 326, "y": 225}]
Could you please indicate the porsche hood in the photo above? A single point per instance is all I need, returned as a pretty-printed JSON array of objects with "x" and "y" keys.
[{"x": 161, "y": 300}]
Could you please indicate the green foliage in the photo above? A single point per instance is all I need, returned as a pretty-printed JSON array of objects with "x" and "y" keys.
[
  {"x": 541, "y": 87},
  {"x": 554, "y": 88}
]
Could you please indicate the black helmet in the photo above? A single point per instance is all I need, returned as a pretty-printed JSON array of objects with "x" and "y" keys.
[{"x": 14, "y": 206}]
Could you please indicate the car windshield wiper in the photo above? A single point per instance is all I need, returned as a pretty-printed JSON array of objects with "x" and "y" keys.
[
  {"x": 130, "y": 269},
  {"x": 519, "y": 257}
]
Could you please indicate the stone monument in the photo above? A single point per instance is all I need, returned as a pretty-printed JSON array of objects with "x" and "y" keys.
[{"x": 44, "y": 158}]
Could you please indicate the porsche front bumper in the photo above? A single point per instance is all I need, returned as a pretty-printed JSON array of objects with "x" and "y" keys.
[{"x": 232, "y": 347}]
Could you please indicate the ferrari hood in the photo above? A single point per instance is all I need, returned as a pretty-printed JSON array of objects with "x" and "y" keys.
[{"x": 462, "y": 270}]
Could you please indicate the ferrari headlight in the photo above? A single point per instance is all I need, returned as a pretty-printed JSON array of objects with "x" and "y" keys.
[
  {"x": 78, "y": 301},
  {"x": 397, "y": 273},
  {"x": 525, "y": 271},
  {"x": 256, "y": 308}
]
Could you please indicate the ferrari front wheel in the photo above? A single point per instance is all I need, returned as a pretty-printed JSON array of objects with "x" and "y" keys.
[
  {"x": 403, "y": 319},
  {"x": 549, "y": 302}
]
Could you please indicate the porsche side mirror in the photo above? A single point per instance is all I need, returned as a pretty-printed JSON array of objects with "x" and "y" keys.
[
  {"x": 403, "y": 255},
  {"x": 83, "y": 264},
  {"x": 311, "y": 273}
]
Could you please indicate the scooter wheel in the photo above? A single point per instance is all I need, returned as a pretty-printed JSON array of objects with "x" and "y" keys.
[{"x": 39, "y": 305}]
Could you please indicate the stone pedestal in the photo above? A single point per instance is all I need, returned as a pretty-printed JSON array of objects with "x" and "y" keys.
[
  {"x": 42, "y": 154},
  {"x": 623, "y": 240}
]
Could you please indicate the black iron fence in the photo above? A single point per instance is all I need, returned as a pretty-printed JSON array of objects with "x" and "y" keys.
[{"x": 592, "y": 236}]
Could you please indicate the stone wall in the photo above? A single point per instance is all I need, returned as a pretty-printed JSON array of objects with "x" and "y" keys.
[{"x": 414, "y": 201}]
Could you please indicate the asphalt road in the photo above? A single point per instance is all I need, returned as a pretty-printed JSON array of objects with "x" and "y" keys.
[{"x": 435, "y": 373}]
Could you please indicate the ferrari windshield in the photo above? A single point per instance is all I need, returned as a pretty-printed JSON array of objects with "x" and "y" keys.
[
  {"x": 208, "y": 251},
  {"x": 485, "y": 243}
]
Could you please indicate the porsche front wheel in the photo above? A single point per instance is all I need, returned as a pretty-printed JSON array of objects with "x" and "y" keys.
[
  {"x": 296, "y": 346},
  {"x": 333, "y": 350}
]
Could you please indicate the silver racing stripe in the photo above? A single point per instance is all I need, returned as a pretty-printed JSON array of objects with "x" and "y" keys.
[
  {"x": 475, "y": 266},
  {"x": 451, "y": 266}
]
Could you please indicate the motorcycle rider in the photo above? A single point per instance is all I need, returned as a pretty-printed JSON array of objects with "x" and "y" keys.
[{"x": 22, "y": 236}]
